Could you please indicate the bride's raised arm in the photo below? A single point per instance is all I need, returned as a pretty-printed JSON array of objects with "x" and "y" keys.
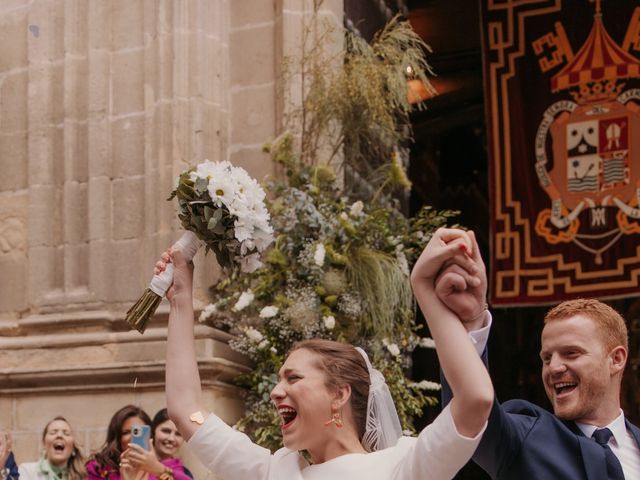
[
  {"x": 222, "y": 449},
  {"x": 469, "y": 380},
  {"x": 184, "y": 394}
]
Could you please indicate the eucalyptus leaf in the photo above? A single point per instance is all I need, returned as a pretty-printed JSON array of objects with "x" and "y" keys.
[{"x": 201, "y": 185}]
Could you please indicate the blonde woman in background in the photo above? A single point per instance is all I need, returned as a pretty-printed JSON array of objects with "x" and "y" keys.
[{"x": 61, "y": 458}]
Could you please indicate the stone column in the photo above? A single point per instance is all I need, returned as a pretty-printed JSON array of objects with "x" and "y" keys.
[{"x": 102, "y": 104}]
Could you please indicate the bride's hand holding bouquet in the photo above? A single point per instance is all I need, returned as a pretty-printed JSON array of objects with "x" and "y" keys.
[{"x": 222, "y": 207}]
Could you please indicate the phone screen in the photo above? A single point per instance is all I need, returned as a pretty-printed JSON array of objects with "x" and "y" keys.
[{"x": 140, "y": 435}]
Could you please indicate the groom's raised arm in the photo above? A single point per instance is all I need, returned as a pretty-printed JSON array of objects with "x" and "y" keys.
[{"x": 506, "y": 430}]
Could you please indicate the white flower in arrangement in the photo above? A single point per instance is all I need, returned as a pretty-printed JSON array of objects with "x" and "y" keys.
[
  {"x": 206, "y": 170},
  {"x": 426, "y": 385},
  {"x": 329, "y": 322},
  {"x": 302, "y": 312},
  {"x": 344, "y": 216},
  {"x": 403, "y": 263},
  {"x": 208, "y": 311},
  {"x": 263, "y": 344},
  {"x": 253, "y": 335},
  {"x": 244, "y": 301},
  {"x": 263, "y": 234},
  {"x": 274, "y": 350},
  {"x": 222, "y": 190},
  {"x": 395, "y": 240},
  {"x": 319, "y": 254},
  {"x": 269, "y": 311},
  {"x": 393, "y": 349},
  {"x": 357, "y": 208},
  {"x": 250, "y": 263},
  {"x": 427, "y": 342}
]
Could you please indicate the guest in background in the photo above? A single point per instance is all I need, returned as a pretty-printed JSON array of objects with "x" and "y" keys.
[
  {"x": 8, "y": 466},
  {"x": 161, "y": 462},
  {"x": 61, "y": 458},
  {"x": 106, "y": 464}
]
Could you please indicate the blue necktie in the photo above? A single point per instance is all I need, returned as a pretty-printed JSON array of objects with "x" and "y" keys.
[{"x": 614, "y": 469}]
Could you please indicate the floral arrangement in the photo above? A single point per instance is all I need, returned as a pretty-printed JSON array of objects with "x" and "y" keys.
[
  {"x": 339, "y": 266},
  {"x": 222, "y": 207},
  {"x": 339, "y": 269}
]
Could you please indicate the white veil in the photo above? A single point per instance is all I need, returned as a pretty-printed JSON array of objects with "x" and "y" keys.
[{"x": 383, "y": 425}]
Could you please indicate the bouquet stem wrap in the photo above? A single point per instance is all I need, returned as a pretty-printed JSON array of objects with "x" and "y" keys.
[{"x": 140, "y": 313}]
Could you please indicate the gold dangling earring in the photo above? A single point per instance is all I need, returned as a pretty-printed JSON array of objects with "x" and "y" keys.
[{"x": 336, "y": 419}]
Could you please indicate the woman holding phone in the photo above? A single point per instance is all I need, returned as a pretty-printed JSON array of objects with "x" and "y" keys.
[
  {"x": 108, "y": 463},
  {"x": 160, "y": 461}
]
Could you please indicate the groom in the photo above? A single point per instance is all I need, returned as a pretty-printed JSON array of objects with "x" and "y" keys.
[{"x": 584, "y": 352}]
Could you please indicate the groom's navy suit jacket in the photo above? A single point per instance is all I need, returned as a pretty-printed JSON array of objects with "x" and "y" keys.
[{"x": 526, "y": 442}]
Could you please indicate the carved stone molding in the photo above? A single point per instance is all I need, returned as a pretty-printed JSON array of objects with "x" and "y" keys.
[
  {"x": 102, "y": 360},
  {"x": 13, "y": 234}
]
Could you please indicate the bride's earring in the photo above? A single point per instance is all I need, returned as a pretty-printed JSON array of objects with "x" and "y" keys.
[{"x": 336, "y": 419}]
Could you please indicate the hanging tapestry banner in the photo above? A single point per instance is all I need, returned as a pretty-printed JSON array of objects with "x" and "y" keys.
[{"x": 563, "y": 103}]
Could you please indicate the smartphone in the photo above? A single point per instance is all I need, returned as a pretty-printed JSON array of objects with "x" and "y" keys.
[{"x": 140, "y": 435}]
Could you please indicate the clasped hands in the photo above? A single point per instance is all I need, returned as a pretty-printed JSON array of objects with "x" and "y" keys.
[{"x": 452, "y": 266}]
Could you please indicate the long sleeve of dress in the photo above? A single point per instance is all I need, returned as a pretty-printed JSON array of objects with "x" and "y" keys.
[
  {"x": 229, "y": 454},
  {"x": 439, "y": 452}
]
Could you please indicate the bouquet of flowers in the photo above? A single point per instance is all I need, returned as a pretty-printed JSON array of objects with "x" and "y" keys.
[{"x": 222, "y": 207}]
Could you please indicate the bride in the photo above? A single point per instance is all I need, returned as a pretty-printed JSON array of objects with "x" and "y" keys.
[{"x": 333, "y": 404}]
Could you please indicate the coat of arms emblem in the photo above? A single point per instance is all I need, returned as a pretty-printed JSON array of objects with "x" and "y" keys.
[{"x": 588, "y": 144}]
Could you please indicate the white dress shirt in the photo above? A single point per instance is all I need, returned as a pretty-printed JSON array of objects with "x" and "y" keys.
[{"x": 622, "y": 444}]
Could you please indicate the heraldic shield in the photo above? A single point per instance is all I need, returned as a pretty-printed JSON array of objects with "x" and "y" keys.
[
  {"x": 564, "y": 144},
  {"x": 595, "y": 146}
]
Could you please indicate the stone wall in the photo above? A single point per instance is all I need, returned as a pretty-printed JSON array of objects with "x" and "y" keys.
[{"x": 102, "y": 103}]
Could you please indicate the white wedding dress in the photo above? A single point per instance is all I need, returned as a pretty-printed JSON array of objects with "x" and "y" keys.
[{"x": 436, "y": 454}]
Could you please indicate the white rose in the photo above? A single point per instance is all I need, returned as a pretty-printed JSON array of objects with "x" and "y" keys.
[
  {"x": 427, "y": 342},
  {"x": 253, "y": 335},
  {"x": 356, "y": 208},
  {"x": 329, "y": 322},
  {"x": 268, "y": 312},
  {"x": 319, "y": 254},
  {"x": 244, "y": 301},
  {"x": 403, "y": 264},
  {"x": 427, "y": 385},
  {"x": 208, "y": 311},
  {"x": 393, "y": 349}
]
